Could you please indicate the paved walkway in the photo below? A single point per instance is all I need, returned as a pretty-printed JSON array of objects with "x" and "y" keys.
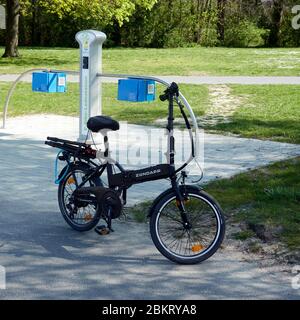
[
  {"x": 141, "y": 146},
  {"x": 45, "y": 259},
  {"x": 259, "y": 80}
]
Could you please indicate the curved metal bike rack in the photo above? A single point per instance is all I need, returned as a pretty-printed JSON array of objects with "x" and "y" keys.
[
  {"x": 13, "y": 87},
  {"x": 195, "y": 141}
]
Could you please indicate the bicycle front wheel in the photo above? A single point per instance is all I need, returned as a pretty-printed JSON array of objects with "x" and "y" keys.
[{"x": 193, "y": 244}]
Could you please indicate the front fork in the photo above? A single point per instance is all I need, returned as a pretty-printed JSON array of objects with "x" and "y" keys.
[{"x": 180, "y": 202}]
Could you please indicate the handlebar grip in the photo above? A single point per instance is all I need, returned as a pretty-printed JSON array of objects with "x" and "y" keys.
[
  {"x": 163, "y": 97},
  {"x": 172, "y": 90}
]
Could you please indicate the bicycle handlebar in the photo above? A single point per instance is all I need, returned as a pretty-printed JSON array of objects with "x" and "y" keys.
[{"x": 172, "y": 90}]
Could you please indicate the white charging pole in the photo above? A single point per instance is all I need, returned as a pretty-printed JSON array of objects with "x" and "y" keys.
[{"x": 90, "y": 42}]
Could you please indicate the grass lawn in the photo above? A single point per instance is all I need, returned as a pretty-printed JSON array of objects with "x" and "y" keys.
[
  {"x": 269, "y": 112},
  {"x": 178, "y": 61},
  {"x": 25, "y": 102},
  {"x": 268, "y": 198}
]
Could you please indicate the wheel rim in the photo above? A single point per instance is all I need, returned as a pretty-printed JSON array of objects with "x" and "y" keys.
[
  {"x": 79, "y": 216},
  {"x": 188, "y": 243}
]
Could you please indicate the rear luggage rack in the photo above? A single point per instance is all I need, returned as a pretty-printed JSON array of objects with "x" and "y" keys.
[
  {"x": 77, "y": 149},
  {"x": 67, "y": 141}
]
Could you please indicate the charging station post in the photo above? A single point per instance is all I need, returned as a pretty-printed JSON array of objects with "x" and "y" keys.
[{"x": 90, "y": 42}]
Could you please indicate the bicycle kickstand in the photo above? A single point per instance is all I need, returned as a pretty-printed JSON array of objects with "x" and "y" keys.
[{"x": 104, "y": 230}]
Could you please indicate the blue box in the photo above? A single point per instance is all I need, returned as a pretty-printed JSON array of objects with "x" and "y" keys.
[
  {"x": 136, "y": 90},
  {"x": 48, "y": 82}
]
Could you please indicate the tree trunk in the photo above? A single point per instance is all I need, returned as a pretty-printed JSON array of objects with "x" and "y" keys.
[
  {"x": 197, "y": 14},
  {"x": 221, "y": 20},
  {"x": 12, "y": 28},
  {"x": 276, "y": 17},
  {"x": 33, "y": 23}
]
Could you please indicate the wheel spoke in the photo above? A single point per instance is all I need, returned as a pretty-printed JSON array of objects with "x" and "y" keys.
[
  {"x": 192, "y": 240},
  {"x": 86, "y": 211}
]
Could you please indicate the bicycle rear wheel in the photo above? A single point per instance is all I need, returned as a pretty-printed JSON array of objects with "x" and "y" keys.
[
  {"x": 189, "y": 245},
  {"x": 80, "y": 215}
]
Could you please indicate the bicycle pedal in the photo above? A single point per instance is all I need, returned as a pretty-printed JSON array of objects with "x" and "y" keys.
[{"x": 102, "y": 230}]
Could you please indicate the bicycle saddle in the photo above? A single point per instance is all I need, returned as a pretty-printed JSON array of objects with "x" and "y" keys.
[{"x": 95, "y": 124}]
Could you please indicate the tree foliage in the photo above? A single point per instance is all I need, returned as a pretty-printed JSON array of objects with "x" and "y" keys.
[
  {"x": 55, "y": 22},
  {"x": 237, "y": 23},
  {"x": 159, "y": 23},
  {"x": 100, "y": 10}
]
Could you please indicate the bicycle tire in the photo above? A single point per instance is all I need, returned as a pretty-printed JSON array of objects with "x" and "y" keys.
[
  {"x": 84, "y": 168},
  {"x": 161, "y": 245}
]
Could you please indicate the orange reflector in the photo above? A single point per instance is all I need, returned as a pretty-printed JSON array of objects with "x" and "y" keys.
[
  {"x": 197, "y": 247},
  {"x": 88, "y": 217},
  {"x": 71, "y": 180}
]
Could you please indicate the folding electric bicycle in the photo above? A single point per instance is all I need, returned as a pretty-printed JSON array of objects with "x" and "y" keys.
[{"x": 186, "y": 224}]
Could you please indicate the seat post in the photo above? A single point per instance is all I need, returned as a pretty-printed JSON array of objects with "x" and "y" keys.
[{"x": 106, "y": 143}]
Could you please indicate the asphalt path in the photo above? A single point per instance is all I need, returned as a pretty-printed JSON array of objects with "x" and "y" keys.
[{"x": 45, "y": 259}]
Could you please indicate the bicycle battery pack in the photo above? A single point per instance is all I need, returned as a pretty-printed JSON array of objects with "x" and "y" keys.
[{"x": 131, "y": 177}]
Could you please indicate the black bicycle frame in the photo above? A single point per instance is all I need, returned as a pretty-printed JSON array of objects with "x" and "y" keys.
[{"x": 126, "y": 178}]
